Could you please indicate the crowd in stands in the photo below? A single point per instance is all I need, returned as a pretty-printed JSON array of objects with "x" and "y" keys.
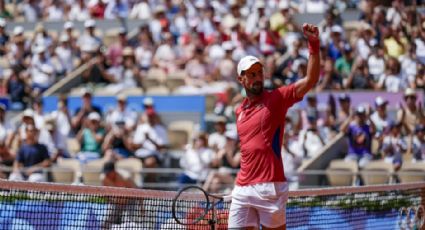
[{"x": 204, "y": 40}]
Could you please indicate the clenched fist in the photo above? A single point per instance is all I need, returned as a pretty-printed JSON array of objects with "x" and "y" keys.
[{"x": 312, "y": 34}]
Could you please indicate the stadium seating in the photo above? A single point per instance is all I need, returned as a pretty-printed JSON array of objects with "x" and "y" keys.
[{"x": 342, "y": 173}]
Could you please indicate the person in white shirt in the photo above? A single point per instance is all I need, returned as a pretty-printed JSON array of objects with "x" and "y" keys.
[
  {"x": 150, "y": 139},
  {"x": 54, "y": 12},
  {"x": 409, "y": 67},
  {"x": 379, "y": 117},
  {"x": 196, "y": 162},
  {"x": 30, "y": 9},
  {"x": 165, "y": 56},
  {"x": 141, "y": 11},
  {"x": 217, "y": 139},
  {"x": 376, "y": 62},
  {"x": 121, "y": 112},
  {"x": 311, "y": 139},
  {"x": 79, "y": 11},
  {"x": 64, "y": 53},
  {"x": 42, "y": 70},
  {"x": 89, "y": 39},
  {"x": 391, "y": 80}
]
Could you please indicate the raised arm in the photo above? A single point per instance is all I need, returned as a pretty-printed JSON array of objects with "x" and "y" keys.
[{"x": 313, "y": 68}]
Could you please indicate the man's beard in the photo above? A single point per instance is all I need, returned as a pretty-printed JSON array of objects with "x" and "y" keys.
[{"x": 256, "y": 89}]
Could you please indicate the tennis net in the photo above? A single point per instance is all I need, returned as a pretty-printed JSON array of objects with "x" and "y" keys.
[{"x": 26, "y": 205}]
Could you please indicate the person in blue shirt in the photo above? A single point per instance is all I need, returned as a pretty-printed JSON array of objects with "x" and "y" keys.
[{"x": 31, "y": 159}]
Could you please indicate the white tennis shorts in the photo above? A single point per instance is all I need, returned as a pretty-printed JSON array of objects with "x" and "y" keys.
[{"x": 259, "y": 204}]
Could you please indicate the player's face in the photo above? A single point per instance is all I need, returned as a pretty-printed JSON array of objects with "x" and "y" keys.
[{"x": 253, "y": 79}]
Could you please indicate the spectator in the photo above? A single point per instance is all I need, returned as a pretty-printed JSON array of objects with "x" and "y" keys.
[
  {"x": 117, "y": 144},
  {"x": 409, "y": 70},
  {"x": 359, "y": 134},
  {"x": 144, "y": 50},
  {"x": 28, "y": 118},
  {"x": 394, "y": 42},
  {"x": 89, "y": 40},
  {"x": 329, "y": 78},
  {"x": 196, "y": 162},
  {"x": 150, "y": 139},
  {"x": 217, "y": 139},
  {"x": 311, "y": 138},
  {"x": 31, "y": 10},
  {"x": 337, "y": 43},
  {"x": 117, "y": 9},
  {"x": 97, "y": 11},
  {"x": 359, "y": 77},
  {"x": 227, "y": 159},
  {"x": 54, "y": 12},
  {"x": 17, "y": 89},
  {"x": 391, "y": 79},
  {"x": 197, "y": 69},
  {"x": 141, "y": 10},
  {"x": 394, "y": 146},
  {"x": 121, "y": 112},
  {"x": 417, "y": 144},
  {"x": 376, "y": 62},
  {"x": 6, "y": 129},
  {"x": 7, "y": 157},
  {"x": 126, "y": 75},
  {"x": 42, "y": 71},
  {"x": 380, "y": 117},
  {"x": 115, "y": 51},
  {"x": 91, "y": 139},
  {"x": 343, "y": 64},
  {"x": 412, "y": 114},
  {"x": 366, "y": 41},
  {"x": 284, "y": 70},
  {"x": 79, "y": 118},
  {"x": 61, "y": 132},
  {"x": 31, "y": 159},
  {"x": 112, "y": 178},
  {"x": 79, "y": 11},
  {"x": 165, "y": 55},
  {"x": 4, "y": 13},
  {"x": 64, "y": 53},
  {"x": 4, "y": 37}
]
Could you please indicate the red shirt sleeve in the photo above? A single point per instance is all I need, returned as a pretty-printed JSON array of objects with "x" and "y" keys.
[{"x": 288, "y": 95}]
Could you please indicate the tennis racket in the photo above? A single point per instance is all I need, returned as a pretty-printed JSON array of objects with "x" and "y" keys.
[{"x": 194, "y": 206}]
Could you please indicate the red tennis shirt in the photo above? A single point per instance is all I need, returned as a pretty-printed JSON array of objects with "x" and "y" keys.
[{"x": 260, "y": 123}]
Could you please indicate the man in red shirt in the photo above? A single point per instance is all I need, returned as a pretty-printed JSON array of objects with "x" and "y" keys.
[{"x": 261, "y": 191}]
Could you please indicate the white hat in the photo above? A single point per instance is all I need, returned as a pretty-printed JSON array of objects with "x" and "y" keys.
[
  {"x": 337, "y": 29},
  {"x": 380, "y": 101},
  {"x": 2, "y": 22},
  {"x": 159, "y": 9},
  {"x": 148, "y": 101},
  {"x": 283, "y": 5},
  {"x": 246, "y": 62},
  {"x": 90, "y": 23},
  {"x": 361, "y": 110},
  {"x": 39, "y": 49},
  {"x": 68, "y": 25},
  {"x": 409, "y": 92},
  {"x": 18, "y": 30},
  {"x": 260, "y": 4},
  {"x": 122, "y": 97},
  {"x": 28, "y": 113},
  {"x": 227, "y": 45},
  {"x": 94, "y": 116},
  {"x": 64, "y": 38}
]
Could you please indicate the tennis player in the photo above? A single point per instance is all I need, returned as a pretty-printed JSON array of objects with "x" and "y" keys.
[{"x": 261, "y": 191}]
